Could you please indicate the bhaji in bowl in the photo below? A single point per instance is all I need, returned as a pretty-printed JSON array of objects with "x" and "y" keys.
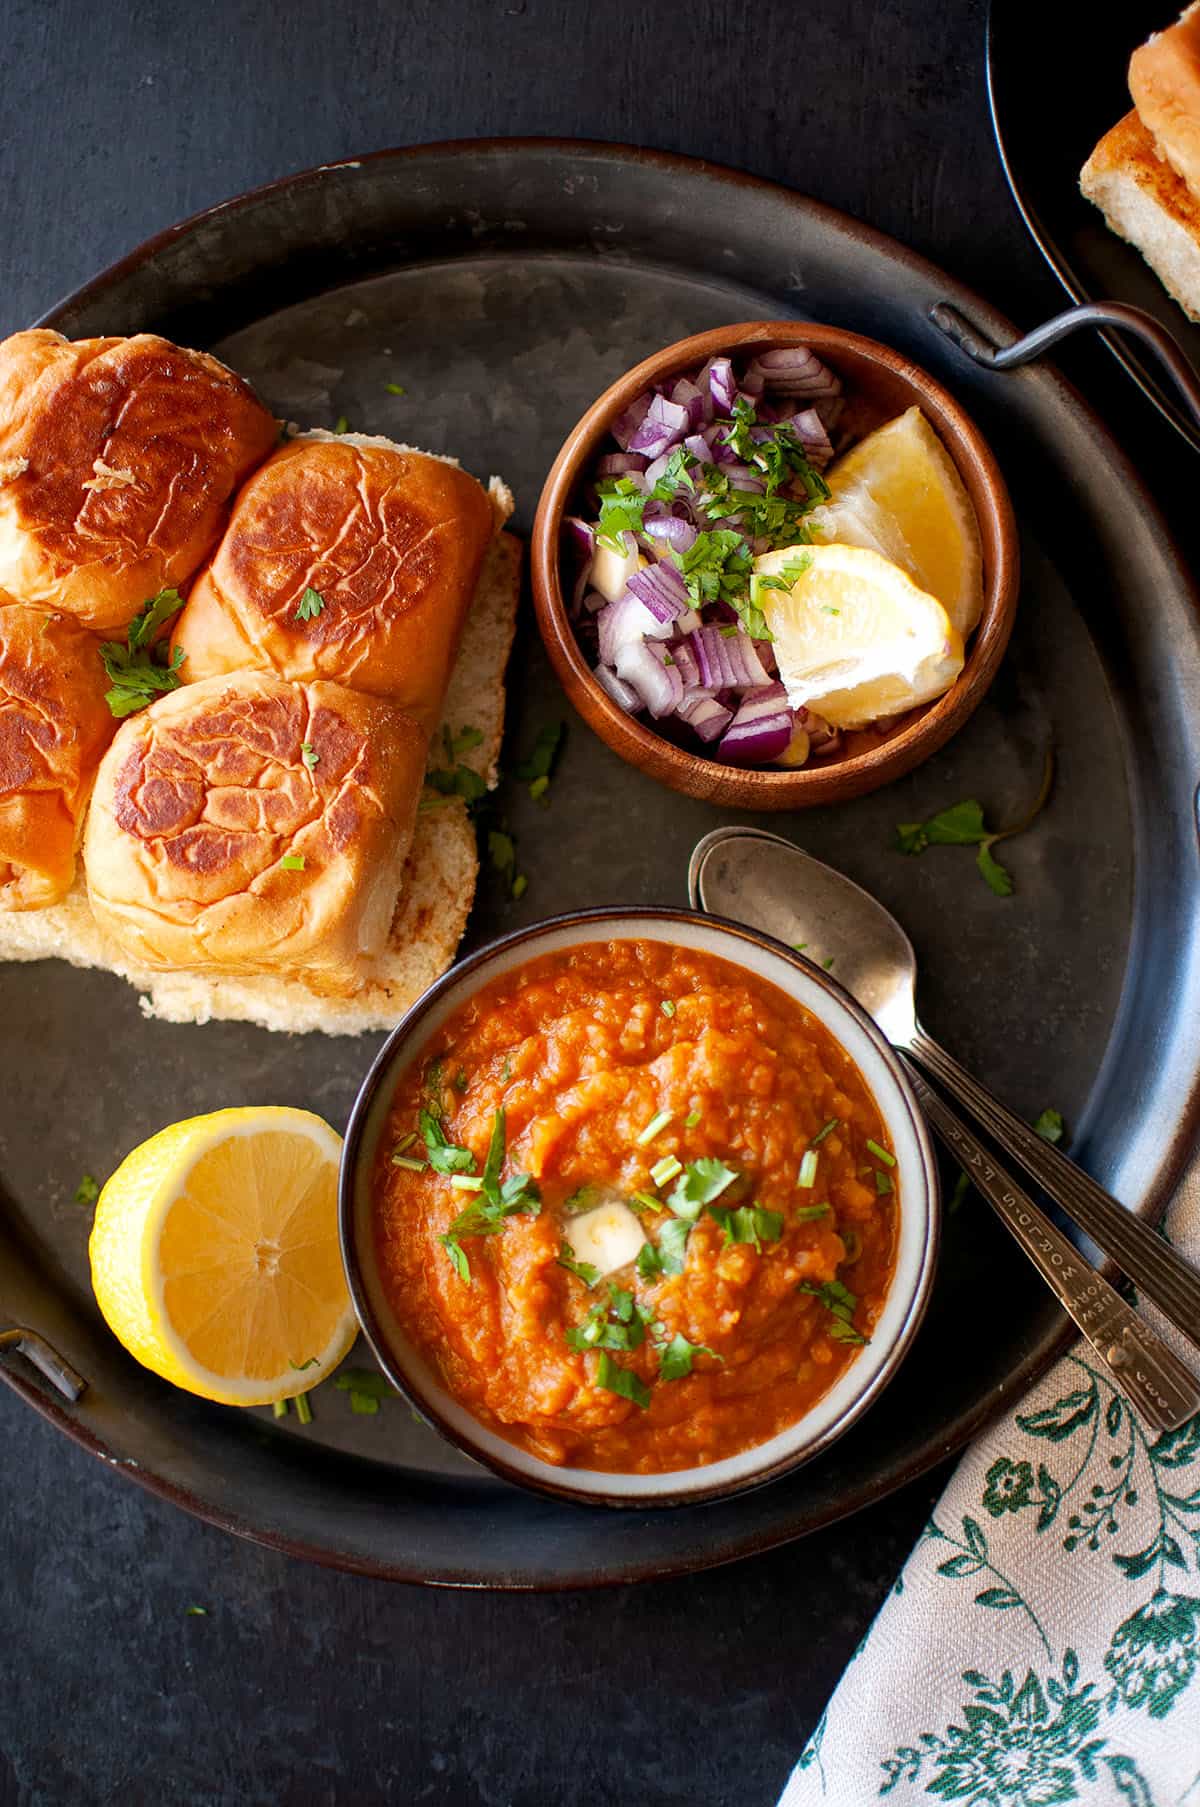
[{"x": 638, "y": 1208}]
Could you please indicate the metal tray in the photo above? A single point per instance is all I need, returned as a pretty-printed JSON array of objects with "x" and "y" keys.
[
  {"x": 503, "y": 285},
  {"x": 1046, "y": 128}
]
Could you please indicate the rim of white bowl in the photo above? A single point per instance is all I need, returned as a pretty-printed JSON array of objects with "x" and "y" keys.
[{"x": 859, "y": 1384}]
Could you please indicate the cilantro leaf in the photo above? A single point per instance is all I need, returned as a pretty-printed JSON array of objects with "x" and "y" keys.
[
  {"x": 748, "y": 1223},
  {"x": 677, "y": 1356},
  {"x": 310, "y": 605},
  {"x": 583, "y": 1270},
  {"x": 136, "y": 671},
  {"x": 671, "y": 1252},
  {"x": 675, "y": 477},
  {"x": 622, "y": 507},
  {"x": 444, "y": 1156},
  {"x": 622, "y": 1381},
  {"x": 462, "y": 742},
  {"x": 841, "y": 1305},
  {"x": 600, "y": 1332},
  {"x": 540, "y": 763},
  {"x": 365, "y": 1381},
  {"x": 460, "y": 781},
  {"x": 87, "y": 1191},
  {"x": 996, "y": 877},
  {"x": 961, "y": 825},
  {"x": 495, "y": 1158},
  {"x": 702, "y": 1181},
  {"x": 1050, "y": 1125}
]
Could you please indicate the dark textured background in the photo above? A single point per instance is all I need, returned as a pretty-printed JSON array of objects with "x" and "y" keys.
[{"x": 300, "y": 1685}]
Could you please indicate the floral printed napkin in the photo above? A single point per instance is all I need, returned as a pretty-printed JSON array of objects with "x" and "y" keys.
[{"x": 1042, "y": 1644}]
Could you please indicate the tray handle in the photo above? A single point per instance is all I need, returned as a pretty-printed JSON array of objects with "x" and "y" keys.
[
  {"x": 45, "y": 1358},
  {"x": 1133, "y": 320}
]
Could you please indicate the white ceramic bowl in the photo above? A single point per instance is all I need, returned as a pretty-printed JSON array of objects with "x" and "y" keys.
[{"x": 856, "y": 1387}]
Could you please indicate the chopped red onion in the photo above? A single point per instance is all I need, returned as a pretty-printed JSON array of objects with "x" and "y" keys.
[
  {"x": 594, "y": 602},
  {"x": 697, "y": 445},
  {"x": 623, "y": 694},
  {"x": 761, "y": 729},
  {"x": 703, "y": 714},
  {"x": 722, "y": 384},
  {"x": 581, "y": 535},
  {"x": 627, "y": 424},
  {"x": 793, "y": 370},
  {"x": 662, "y": 589},
  {"x": 664, "y": 426},
  {"x": 743, "y": 477},
  {"x": 679, "y": 535},
  {"x": 727, "y": 661},
  {"x": 643, "y": 666},
  {"x": 620, "y": 464},
  {"x": 753, "y": 384},
  {"x": 810, "y": 431},
  {"x": 689, "y": 669},
  {"x": 626, "y": 622}
]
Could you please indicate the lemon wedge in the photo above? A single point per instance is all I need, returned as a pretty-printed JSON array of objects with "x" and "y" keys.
[
  {"x": 855, "y": 639},
  {"x": 898, "y": 492},
  {"x": 215, "y": 1259}
]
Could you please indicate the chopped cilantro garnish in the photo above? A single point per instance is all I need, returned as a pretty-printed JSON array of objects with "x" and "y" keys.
[
  {"x": 309, "y": 755},
  {"x": 292, "y": 862},
  {"x": 841, "y": 1304},
  {"x": 675, "y": 477},
  {"x": 583, "y": 1270},
  {"x": 459, "y": 781},
  {"x": 136, "y": 671},
  {"x": 677, "y": 1356},
  {"x": 394, "y": 388},
  {"x": 87, "y": 1191},
  {"x": 500, "y": 1200},
  {"x": 197, "y": 1612},
  {"x": 520, "y": 885},
  {"x": 310, "y": 605},
  {"x": 538, "y": 788},
  {"x": 501, "y": 851},
  {"x": 462, "y": 742},
  {"x": 366, "y": 1389},
  {"x": 883, "y": 1182},
  {"x": 580, "y": 1199},
  {"x": 622, "y": 1381},
  {"x": 702, "y": 1181},
  {"x": 691, "y": 1120},
  {"x": 667, "y": 1007},
  {"x": 341, "y": 424},
  {"x": 670, "y": 1254},
  {"x": 622, "y": 506},
  {"x": 748, "y": 1223}
]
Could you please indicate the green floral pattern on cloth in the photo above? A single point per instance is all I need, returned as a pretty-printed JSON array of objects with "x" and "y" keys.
[{"x": 1042, "y": 1644}]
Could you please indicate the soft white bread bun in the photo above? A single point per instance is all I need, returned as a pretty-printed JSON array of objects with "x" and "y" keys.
[
  {"x": 54, "y": 727},
  {"x": 1164, "y": 80},
  {"x": 390, "y": 542},
  {"x": 246, "y": 824},
  {"x": 1145, "y": 202},
  {"x": 117, "y": 460}
]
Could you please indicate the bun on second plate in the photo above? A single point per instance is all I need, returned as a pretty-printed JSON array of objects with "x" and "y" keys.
[
  {"x": 54, "y": 727},
  {"x": 246, "y": 824},
  {"x": 117, "y": 460},
  {"x": 1164, "y": 80},
  {"x": 1146, "y": 203},
  {"x": 348, "y": 558}
]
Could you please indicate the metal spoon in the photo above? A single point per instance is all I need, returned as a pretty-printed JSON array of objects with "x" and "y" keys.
[{"x": 764, "y": 880}]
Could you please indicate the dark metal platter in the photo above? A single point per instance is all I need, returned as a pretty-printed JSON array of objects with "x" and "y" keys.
[
  {"x": 1046, "y": 128},
  {"x": 503, "y": 285}
]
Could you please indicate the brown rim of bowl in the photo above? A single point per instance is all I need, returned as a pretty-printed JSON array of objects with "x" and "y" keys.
[
  {"x": 920, "y": 733},
  {"x": 380, "y": 1073}
]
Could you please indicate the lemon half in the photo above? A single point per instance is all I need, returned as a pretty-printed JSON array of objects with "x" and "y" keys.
[
  {"x": 855, "y": 639},
  {"x": 898, "y": 492},
  {"x": 215, "y": 1258}
]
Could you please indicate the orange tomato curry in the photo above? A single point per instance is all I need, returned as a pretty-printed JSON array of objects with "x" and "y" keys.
[{"x": 693, "y": 1091}]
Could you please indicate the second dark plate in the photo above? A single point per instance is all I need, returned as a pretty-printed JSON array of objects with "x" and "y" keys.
[{"x": 1046, "y": 128}]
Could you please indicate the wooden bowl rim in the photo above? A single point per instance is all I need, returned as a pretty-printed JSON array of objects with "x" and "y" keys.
[{"x": 837, "y": 779}]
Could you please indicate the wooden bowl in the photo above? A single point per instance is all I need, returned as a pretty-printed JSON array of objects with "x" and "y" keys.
[{"x": 880, "y": 384}]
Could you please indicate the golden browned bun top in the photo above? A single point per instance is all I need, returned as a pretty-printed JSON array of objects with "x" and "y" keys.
[
  {"x": 251, "y": 824},
  {"x": 1164, "y": 80},
  {"x": 344, "y": 559},
  {"x": 54, "y": 726},
  {"x": 117, "y": 460}
]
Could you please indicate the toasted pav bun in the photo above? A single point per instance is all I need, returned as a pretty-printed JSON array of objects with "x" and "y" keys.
[
  {"x": 246, "y": 824},
  {"x": 117, "y": 461},
  {"x": 1164, "y": 81},
  {"x": 54, "y": 727},
  {"x": 391, "y": 542}
]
